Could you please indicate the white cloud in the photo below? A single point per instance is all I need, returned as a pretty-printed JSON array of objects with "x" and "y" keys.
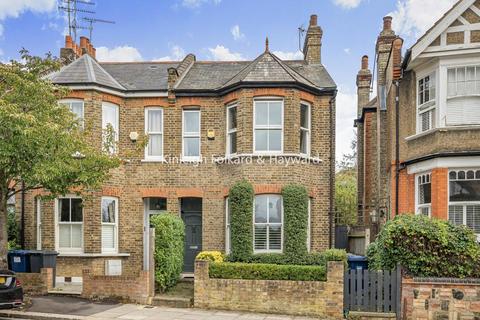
[
  {"x": 347, "y": 4},
  {"x": 346, "y": 104},
  {"x": 413, "y": 17},
  {"x": 285, "y": 55},
  {"x": 192, "y": 4},
  {"x": 347, "y": 50},
  {"x": 176, "y": 54},
  {"x": 118, "y": 54},
  {"x": 236, "y": 33},
  {"x": 221, "y": 53},
  {"x": 13, "y": 9}
]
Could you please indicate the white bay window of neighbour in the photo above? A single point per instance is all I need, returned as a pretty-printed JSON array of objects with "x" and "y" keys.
[
  {"x": 110, "y": 119},
  {"x": 426, "y": 103},
  {"x": 191, "y": 134},
  {"x": 268, "y": 223},
  {"x": 268, "y": 123},
  {"x": 70, "y": 224},
  {"x": 232, "y": 129},
  {"x": 109, "y": 224},
  {"x": 464, "y": 198},
  {"x": 304, "y": 128},
  {"x": 463, "y": 100}
]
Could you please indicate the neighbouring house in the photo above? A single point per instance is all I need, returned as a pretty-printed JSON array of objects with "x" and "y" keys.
[
  {"x": 430, "y": 162},
  {"x": 209, "y": 124}
]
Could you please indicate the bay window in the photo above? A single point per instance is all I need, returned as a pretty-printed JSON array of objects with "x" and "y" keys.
[
  {"x": 109, "y": 224},
  {"x": 191, "y": 134},
  {"x": 426, "y": 103},
  {"x": 110, "y": 121},
  {"x": 70, "y": 224},
  {"x": 424, "y": 194},
  {"x": 304, "y": 128},
  {"x": 232, "y": 129},
  {"x": 154, "y": 131},
  {"x": 464, "y": 198},
  {"x": 76, "y": 107},
  {"x": 268, "y": 126},
  {"x": 268, "y": 223},
  {"x": 463, "y": 100}
]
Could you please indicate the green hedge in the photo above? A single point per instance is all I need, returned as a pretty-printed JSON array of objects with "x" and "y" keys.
[
  {"x": 240, "y": 200},
  {"x": 426, "y": 247},
  {"x": 256, "y": 271},
  {"x": 169, "y": 249},
  {"x": 295, "y": 217},
  {"x": 311, "y": 259}
]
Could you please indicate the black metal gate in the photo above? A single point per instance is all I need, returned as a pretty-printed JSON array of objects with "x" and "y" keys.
[{"x": 373, "y": 291}]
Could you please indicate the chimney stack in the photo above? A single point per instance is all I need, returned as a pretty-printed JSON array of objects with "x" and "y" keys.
[
  {"x": 73, "y": 51},
  {"x": 387, "y": 23},
  {"x": 364, "y": 82},
  {"x": 312, "y": 48},
  {"x": 383, "y": 48}
]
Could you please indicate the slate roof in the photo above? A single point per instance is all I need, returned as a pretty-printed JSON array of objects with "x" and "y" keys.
[{"x": 201, "y": 76}]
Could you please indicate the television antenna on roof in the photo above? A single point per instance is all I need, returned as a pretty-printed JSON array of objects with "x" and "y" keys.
[
  {"x": 301, "y": 31},
  {"x": 72, "y": 9},
  {"x": 91, "y": 21}
]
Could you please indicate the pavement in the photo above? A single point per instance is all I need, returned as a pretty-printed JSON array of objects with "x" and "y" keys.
[{"x": 72, "y": 308}]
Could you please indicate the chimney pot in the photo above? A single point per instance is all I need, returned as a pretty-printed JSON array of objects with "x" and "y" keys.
[
  {"x": 83, "y": 42},
  {"x": 68, "y": 42},
  {"x": 365, "y": 62},
  {"x": 313, "y": 20},
  {"x": 387, "y": 23}
]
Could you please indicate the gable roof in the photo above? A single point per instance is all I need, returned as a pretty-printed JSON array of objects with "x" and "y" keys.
[
  {"x": 84, "y": 70},
  {"x": 440, "y": 26}
]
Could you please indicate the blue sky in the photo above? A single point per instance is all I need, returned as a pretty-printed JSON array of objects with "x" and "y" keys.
[{"x": 225, "y": 30}]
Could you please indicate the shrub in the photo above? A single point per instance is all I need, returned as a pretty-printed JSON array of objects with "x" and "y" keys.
[
  {"x": 169, "y": 247},
  {"x": 240, "y": 201},
  {"x": 425, "y": 247},
  {"x": 212, "y": 256},
  {"x": 311, "y": 259},
  {"x": 257, "y": 271},
  {"x": 295, "y": 213},
  {"x": 12, "y": 227}
]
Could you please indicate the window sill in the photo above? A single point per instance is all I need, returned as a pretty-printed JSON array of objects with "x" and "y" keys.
[
  {"x": 93, "y": 255},
  {"x": 157, "y": 160},
  {"x": 443, "y": 129}
]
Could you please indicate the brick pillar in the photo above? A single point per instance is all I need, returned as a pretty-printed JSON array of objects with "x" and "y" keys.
[
  {"x": 335, "y": 278},
  {"x": 440, "y": 193}
]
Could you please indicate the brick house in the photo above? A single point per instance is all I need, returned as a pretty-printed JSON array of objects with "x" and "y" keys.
[
  {"x": 430, "y": 162},
  {"x": 210, "y": 124}
]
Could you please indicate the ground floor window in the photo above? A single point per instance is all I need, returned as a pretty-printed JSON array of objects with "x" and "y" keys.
[
  {"x": 70, "y": 224},
  {"x": 227, "y": 227},
  {"x": 424, "y": 194},
  {"x": 268, "y": 223},
  {"x": 464, "y": 198},
  {"x": 109, "y": 224}
]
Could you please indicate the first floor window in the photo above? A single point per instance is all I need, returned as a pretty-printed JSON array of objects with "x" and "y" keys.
[
  {"x": 70, "y": 224},
  {"x": 464, "y": 198},
  {"x": 76, "y": 107},
  {"x": 109, "y": 224},
  {"x": 191, "y": 134},
  {"x": 232, "y": 129},
  {"x": 154, "y": 131},
  {"x": 304, "y": 128},
  {"x": 426, "y": 103},
  {"x": 424, "y": 194},
  {"x": 268, "y": 223},
  {"x": 268, "y": 126},
  {"x": 110, "y": 126},
  {"x": 427, "y": 119}
]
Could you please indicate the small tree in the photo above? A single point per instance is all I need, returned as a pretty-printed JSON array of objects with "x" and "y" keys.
[
  {"x": 295, "y": 212},
  {"x": 240, "y": 201},
  {"x": 346, "y": 196},
  {"x": 42, "y": 145}
]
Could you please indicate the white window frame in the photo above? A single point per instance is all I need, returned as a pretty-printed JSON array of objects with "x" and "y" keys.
[
  {"x": 160, "y": 133},
  {"x": 308, "y": 130},
  {"x": 267, "y": 224},
  {"x": 418, "y": 206},
  {"x": 38, "y": 205},
  {"x": 268, "y": 127},
  {"x": 192, "y": 135},
  {"x": 463, "y": 204},
  {"x": 309, "y": 225},
  {"x": 429, "y": 106},
  {"x": 115, "y": 225},
  {"x": 117, "y": 122},
  {"x": 228, "y": 243},
  {"x": 229, "y": 131},
  {"x": 57, "y": 227},
  {"x": 69, "y": 103}
]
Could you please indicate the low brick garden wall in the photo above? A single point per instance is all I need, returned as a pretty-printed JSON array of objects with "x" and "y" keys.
[
  {"x": 311, "y": 298},
  {"x": 36, "y": 283},
  {"x": 137, "y": 289},
  {"x": 439, "y": 298}
]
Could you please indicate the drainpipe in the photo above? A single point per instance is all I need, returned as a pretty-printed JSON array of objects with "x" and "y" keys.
[
  {"x": 397, "y": 144},
  {"x": 22, "y": 231},
  {"x": 332, "y": 172}
]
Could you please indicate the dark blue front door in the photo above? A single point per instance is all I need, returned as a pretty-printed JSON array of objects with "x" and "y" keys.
[{"x": 191, "y": 209}]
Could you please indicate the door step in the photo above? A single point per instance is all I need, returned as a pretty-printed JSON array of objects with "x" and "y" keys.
[{"x": 171, "y": 301}]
